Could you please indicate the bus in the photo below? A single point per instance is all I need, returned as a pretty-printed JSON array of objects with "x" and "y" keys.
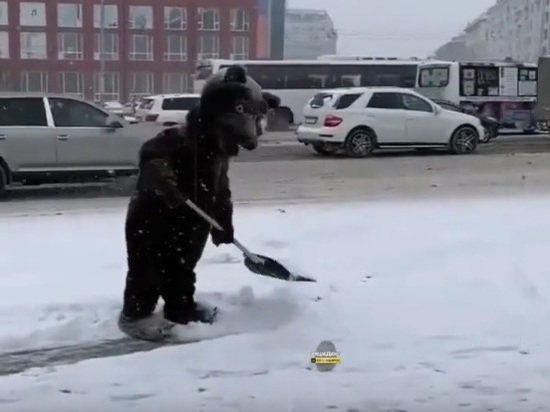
[
  {"x": 506, "y": 91},
  {"x": 297, "y": 81}
]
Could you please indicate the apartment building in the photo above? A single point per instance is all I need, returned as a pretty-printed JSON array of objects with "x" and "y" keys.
[
  {"x": 308, "y": 34},
  {"x": 517, "y": 29},
  {"x": 118, "y": 49}
]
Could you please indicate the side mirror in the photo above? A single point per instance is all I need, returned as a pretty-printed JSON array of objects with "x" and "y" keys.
[
  {"x": 113, "y": 122},
  {"x": 437, "y": 110},
  {"x": 115, "y": 125}
]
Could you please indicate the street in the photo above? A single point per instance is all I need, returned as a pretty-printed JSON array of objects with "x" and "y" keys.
[{"x": 283, "y": 172}]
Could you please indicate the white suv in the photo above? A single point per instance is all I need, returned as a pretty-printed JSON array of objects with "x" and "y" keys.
[
  {"x": 360, "y": 120},
  {"x": 166, "y": 109}
]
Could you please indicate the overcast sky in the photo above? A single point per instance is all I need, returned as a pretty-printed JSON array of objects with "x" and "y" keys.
[{"x": 401, "y": 28}]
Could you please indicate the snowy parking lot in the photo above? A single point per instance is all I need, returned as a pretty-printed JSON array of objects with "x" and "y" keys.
[{"x": 436, "y": 296}]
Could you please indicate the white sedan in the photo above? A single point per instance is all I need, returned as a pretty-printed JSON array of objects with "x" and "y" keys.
[{"x": 360, "y": 120}]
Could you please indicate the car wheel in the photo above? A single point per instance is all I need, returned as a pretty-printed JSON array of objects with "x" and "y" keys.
[
  {"x": 464, "y": 140},
  {"x": 360, "y": 143},
  {"x": 325, "y": 149}
]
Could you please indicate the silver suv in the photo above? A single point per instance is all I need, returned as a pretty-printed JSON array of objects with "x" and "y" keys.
[{"x": 62, "y": 139}]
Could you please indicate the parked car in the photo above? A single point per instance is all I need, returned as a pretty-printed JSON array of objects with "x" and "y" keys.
[
  {"x": 61, "y": 139},
  {"x": 490, "y": 124},
  {"x": 113, "y": 107},
  {"x": 166, "y": 109},
  {"x": 361, "y": 120}
]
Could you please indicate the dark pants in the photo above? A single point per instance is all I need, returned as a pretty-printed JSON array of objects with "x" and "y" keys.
[{"x": 162, "y": 256}]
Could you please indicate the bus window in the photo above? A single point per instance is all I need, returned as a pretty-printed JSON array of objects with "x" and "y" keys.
[
  {"x": 402, "y": 75},
  {"x": 527, "y": 82},
  {"x": 292, "y": 76},
  {"x": 267, "y": 76},
  {"x": 479, "y": 81},
  {"x": 433, "y": 77}
]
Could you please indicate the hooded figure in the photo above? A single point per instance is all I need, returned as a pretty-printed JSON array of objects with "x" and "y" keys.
[
  {"x": 165, "y": 238},
  {"x": 269, "y": 101}
]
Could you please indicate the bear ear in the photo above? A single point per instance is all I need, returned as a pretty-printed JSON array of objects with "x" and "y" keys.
[{"x": 235, "y": 73}]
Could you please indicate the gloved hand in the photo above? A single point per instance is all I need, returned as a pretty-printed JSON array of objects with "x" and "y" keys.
[{"x": 221, "y": 237}]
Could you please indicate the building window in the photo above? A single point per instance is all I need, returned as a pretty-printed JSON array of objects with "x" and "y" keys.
[
  {"x": 4, "y": 20},
  {"x": 141, "y": 17},
  {"x": 32, "y": 14},
  {"x": 106, "y": 87},
  {"x": 5, "y": 84},
  {"x": 141, "y": 47},
  {"x": 176, "y": 48},
  {"x": 142, "y": 84},
  {"x": 33, "y": 45},
  {"x": 34, "y": 82},
  {"x": 4, "y": 45},
  {"x": 240, "y": 20},
  {"x": 109, "y": 51},
  {"x": 240, "y": 48},
  {"x": 69, "y": 46},
  {"x": 175, "y": 18},
  {"x": 209, "y": 18},
  {"x": 71, "y": 83},
  {"x": 69, "y": 15},
  {"x": 106, "y": 16},
  {"x": 174, "y": 82},
  {"x": 209, "y": 47}
]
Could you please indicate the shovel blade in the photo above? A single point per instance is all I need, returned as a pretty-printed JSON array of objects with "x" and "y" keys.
[{"x": 265, "y": 266}]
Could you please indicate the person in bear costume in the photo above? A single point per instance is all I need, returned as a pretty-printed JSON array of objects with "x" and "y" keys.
[{"x": 165, "y": 239}]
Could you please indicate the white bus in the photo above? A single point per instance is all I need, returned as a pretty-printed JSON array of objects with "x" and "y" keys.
[
  {"x": 506, "y": 91},
  {"x": 297, "y": 81}
]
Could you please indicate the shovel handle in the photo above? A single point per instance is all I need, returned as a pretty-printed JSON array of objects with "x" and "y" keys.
[{"x": 216, "y": 225}]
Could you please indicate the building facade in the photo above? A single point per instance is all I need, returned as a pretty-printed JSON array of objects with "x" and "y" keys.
[
  {"x": 271, "y": 29},
  {"x": 515, "y": 29},
  {"x": 118, "y": 49},
  {"x": 309, "y": 34},
  {"x": 456, "y": 49}
]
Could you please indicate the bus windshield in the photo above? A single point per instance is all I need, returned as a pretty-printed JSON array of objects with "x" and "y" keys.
[
  {"x": 319, "y": 76},
  {"x": 435, "y": 76}
]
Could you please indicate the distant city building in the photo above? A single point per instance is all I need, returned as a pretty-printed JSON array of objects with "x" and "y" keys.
[
  {"x": 456, "y": 49},
  {"x": 144, "y": 48},
  {"x": 271, "y": 29},
  {"x": 516, "y": 29},
  {"x": 308, "y": 34}
]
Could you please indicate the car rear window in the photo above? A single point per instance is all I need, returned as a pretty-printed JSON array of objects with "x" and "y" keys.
[
  {"x": 346, "y": 100},
  {"x": 22, "y": 112},
  {"x": 146, "y": 104},
  {"x": 180, "y": 103},
  {"x": 320, "y": 99}
]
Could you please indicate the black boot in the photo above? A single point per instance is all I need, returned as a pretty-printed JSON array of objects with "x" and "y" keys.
[{"x": 189, "y": 311}]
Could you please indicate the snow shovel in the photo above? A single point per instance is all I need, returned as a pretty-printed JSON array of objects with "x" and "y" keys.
[{"x": 258, "y": 264}]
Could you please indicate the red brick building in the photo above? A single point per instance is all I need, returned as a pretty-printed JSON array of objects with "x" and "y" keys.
[{"x": 148, "y": 46}]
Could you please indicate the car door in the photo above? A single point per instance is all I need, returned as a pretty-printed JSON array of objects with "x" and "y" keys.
[
  {"x": 27, "y": 140},
  {"x": 85, "y": 139},
  {"x": 423, "y": 125},
  {"x": 384, "y": 113}
]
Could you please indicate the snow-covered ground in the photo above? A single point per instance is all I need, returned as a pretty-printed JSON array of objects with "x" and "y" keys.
[{"x": 434, "y": 306}]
